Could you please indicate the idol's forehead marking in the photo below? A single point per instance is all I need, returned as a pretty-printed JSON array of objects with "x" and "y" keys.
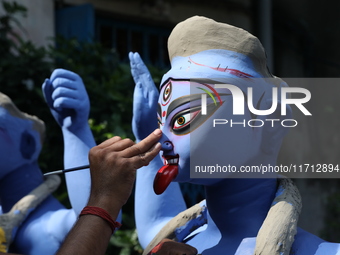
[
  {"x": 164, "y": 111},
  {"x": 226, "y": 69},
  {"x": 170, "y": 79}
]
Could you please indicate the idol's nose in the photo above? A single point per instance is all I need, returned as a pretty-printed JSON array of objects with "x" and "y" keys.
[{"x": 166, "y": 144}]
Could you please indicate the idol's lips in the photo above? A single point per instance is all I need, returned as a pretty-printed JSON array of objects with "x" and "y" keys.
[{"x": 166, "y": 174}]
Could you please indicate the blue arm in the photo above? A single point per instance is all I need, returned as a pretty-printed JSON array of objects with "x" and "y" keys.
[
  {"x": 152, "y": 211},
  {"x": 69, "y": 103}
]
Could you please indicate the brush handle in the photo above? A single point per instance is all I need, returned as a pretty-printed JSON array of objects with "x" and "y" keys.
[{"x": 68, "y": 170}]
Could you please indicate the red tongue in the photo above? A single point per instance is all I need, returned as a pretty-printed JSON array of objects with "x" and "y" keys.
[{"x": 163, "y": 178}]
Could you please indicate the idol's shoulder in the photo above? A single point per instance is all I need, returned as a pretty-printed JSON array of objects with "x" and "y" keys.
[{"x": 306, "y": 243}]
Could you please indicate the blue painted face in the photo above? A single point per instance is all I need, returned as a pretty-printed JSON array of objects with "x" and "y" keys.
[
  {"x": 188, "y": 135},
  {"x": 19, "y": 142},
  {"x": 190, "y": 138}
]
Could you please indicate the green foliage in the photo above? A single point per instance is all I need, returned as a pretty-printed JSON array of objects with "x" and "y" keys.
[
  {"x": 128, "y": 242},
  {"x": 108, "y": 84},
  {"x": 23, "y": 68},
  {"x": 126, "y": 238},
  {"x": 13, "y": 8}
]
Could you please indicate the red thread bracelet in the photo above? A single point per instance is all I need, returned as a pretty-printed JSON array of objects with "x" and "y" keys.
[
  {"x": 156, "y": 248},
  {"x": 100, "y": 212}
]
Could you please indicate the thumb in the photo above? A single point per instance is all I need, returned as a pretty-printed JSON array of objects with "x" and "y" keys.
[{"x": 47, "y": 91}]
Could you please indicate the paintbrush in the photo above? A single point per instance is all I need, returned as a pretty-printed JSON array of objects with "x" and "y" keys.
[{"x": 67, "y": 170}]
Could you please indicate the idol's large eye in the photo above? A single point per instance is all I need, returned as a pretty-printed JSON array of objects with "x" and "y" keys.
[
  {"x": 188, "y": 120},
  {"x": 167, "y": 92},
  {"x": 183, "y": 119}
]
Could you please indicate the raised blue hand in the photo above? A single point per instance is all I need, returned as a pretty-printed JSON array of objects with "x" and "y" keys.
[
  {"x": 145, "y": 99},
  {"x": 67, "y": 98}
]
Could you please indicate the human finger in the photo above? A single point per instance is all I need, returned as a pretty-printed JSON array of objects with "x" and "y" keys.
[
  {"x": 144, "y": 145},
  {"x": 122, "y": 144},
  {"x": 144, "y": 159},
  {"x": 109, "y": 142}
]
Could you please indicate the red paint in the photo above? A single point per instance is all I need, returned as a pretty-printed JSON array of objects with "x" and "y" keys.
[
  {"x": 231, "y": 71},
  {"x": 167, "y": 102},
  {"x": 164, "y": 177},
  {"x": 156, "y": 248},
  {"x": 164, "y": 113}
]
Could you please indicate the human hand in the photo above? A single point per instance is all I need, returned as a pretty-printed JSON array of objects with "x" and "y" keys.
[
  {"x": 113, "y": 166},
  {"x": 67, "y": 98},
  {"x": 145, "y": 98},
  {"x": 170, "y": 247}
]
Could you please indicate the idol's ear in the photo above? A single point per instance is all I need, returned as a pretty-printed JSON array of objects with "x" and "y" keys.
[
  {"x": 28, "y": 145},
  {"x": 275, "y": 128}
]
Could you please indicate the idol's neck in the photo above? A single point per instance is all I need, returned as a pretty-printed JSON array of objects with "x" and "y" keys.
[
  {"x": 238, "y": 206},
  {"x": 18, "y": 184}
]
